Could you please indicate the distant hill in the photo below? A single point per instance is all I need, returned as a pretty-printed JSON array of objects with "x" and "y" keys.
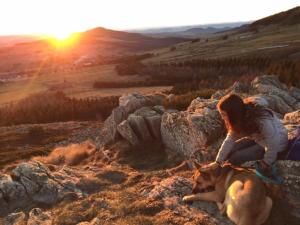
[
  {"x": 190, "y": 31},
  {"x": 276, "y": 36},
  {"x": 14, "y": 39},
  {"x": 95, "y": 44},
  {"x": 127, "y": 40},
  {"x": 289, "y": 17}
]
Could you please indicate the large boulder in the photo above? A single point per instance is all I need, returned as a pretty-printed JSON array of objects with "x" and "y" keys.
[
  {"x": 269, "y": 86},
  {"x": 190, "y": 131},
  {"x": 152, "y": 116},
  {"x": 33, "y": 183},
  {"x": 134, "y": 101},
  {"x": 128, "y": 104},
  {"x": 13, "y": 194}
]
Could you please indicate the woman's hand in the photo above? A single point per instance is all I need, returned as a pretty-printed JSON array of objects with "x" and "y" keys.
[
  {"x": 265, "y": 168},
  {"x": 210, "y": 166}
]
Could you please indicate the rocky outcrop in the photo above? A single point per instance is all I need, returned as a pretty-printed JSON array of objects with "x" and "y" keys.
[
  {"x": 134, "y": 101},
  {"x": 33, "y": 183},
  {"x": 269, "y": 89},
  {"x": 128, "y": 104},
  {"x": 280, "y": 98},
  {"x": 192, "y": 130}
]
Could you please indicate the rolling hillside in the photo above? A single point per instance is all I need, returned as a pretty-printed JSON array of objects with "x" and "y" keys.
[
  {"x": 94, "y": 44},
  {"x": 276, "y": 36}
]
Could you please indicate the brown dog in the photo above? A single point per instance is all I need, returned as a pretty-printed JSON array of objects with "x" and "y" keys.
[{"x": 237, "y": 192}]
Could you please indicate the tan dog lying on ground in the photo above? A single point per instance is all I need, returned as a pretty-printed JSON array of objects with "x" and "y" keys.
[{"x": 237, "y": 192}]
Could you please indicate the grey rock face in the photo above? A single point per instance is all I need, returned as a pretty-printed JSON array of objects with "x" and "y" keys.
[
  {"x": 190, "y": 131},
  {"x": 154, "y": 123},
  {"x": 109, "y": 132},
  {"x": 295, "y": 92},
  {"x": 134, "y": 101},
  {"x": 139, "y": 126},
  {"x": 127, "y": 133},
  {"x": 33, "y": 183},
  {"x": 281, "y": 99}
]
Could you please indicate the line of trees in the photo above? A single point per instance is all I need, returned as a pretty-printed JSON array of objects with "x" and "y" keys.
[
  {"x": 55, "y": 107},
  {"x": 191, "y": 75}
]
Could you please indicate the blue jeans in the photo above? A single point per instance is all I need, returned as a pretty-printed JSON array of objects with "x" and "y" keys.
[{"x": 245, "y": 150}]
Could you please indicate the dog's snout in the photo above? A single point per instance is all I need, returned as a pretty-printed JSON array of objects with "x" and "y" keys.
[{"x": 196, "y": 190}]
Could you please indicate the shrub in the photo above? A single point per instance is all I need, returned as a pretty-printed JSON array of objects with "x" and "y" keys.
[
  {"x": 128, "y": 68},
  {"x": 225, "y": 37},
  {"x": 172, "y": 49},
  {"x": 195, "y": 40},
  {"x": 35, "y": 132},
  {"x": 181, "y": 102}
]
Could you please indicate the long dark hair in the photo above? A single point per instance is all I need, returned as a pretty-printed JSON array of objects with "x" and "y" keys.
[{"x": 242, "y": 117}]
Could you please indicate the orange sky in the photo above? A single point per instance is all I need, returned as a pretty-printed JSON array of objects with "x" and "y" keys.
[{"x": 60, "y": 17}]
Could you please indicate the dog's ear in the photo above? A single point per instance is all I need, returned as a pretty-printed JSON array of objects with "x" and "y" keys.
[{"x": 197, "y": 165}]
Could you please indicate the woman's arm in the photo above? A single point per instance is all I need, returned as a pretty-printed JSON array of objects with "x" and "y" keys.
[
  {"x": 226, "y": 147},
  {"x": 274, "y": 138}
]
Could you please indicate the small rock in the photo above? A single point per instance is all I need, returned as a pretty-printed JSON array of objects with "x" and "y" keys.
[{"x": 15, "y": 219}]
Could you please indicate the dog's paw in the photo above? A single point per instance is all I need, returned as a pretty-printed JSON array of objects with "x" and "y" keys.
[{"x": 188, "y": 198}]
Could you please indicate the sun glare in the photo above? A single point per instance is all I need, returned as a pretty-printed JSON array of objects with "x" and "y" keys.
[
  {"x": 62, "y": 40},
  {"x": 62, "y": 35}
]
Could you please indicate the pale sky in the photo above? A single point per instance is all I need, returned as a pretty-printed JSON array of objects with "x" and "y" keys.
[{"x": 65, "y": 16}]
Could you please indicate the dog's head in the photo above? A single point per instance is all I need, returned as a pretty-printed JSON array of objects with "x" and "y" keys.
[{"x": 204, "y": 179}]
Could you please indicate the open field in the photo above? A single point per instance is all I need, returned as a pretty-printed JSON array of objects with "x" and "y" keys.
[{"x": 77, "y": 84}]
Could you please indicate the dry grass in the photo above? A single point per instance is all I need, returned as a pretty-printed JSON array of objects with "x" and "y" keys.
[
  {"x": 19, "y": 143},
  {"x": 69, "y": 155}
]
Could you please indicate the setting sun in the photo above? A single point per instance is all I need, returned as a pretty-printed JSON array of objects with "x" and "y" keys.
[{"x": 63, "y": 39}]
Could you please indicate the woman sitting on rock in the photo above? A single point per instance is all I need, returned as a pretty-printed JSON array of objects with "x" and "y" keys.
[{"x": 254, "y": 133}]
